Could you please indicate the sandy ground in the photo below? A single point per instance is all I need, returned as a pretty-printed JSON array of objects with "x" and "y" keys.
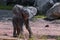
[{"x": 38, "y": 28}]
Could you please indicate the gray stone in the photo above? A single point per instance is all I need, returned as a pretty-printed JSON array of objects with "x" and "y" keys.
[
  {"x": 54, "y": 11},
  {"x": 43, "y": 5}
]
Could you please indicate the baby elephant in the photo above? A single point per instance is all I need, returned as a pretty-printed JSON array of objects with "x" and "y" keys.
[{"x": 21, "y": 16}]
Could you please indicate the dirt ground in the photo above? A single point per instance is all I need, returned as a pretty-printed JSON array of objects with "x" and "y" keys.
[{"x": 37, "y": 26}]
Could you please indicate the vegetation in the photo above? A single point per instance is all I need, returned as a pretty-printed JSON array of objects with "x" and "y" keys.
[
  {"x": 40, "y": 16},
  {"x": 58, "y": 38},
  {"x": 5, "y": 7},
  {"x": 45, "y": 37}
]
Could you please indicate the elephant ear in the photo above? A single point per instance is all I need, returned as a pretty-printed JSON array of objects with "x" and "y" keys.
[{"x": 32, "y": 11}]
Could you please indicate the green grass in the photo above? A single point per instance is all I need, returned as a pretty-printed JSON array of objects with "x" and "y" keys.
[
  {"x": 58, "y": 38},
  {"x": 5, "y": 7},
  {"x": 40, "y": 16}
]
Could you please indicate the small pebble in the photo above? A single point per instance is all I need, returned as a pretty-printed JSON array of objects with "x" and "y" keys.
[{"x": 46, "y": 25}]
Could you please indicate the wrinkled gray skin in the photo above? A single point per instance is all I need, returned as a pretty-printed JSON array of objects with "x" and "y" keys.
[
  {"x": 21, "y": 15},
  {"x": 54, "y": 11},
  {"x": 31, "y": 10}
]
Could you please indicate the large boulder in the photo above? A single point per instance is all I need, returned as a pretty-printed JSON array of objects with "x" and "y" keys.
[
  {"x": 43, "y": 5},
  {"x": 54, "y": 12}
]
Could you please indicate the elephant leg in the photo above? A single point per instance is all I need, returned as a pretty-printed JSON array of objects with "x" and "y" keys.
[
  {"x": 20, "y": 26},
  {"x": 14, "y": 27},
  {"x": 28, "y": 28}
]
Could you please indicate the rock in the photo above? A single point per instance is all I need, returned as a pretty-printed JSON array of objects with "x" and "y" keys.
[
  {"x": 46, "y": 25},
  {"x": 54, "y": 11},
  {"x": 43, "y": 5}
]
